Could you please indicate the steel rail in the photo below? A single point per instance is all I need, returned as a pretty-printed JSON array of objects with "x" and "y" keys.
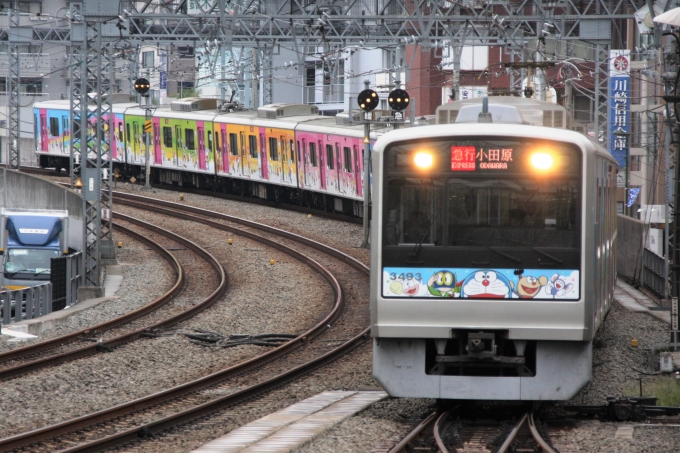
[
  {"x": 177, "y": 288},
  {"x": 513, "y": 434},
  {"x": 537, "y": 436},
  {"x": 30, "y": 437},
  {"x": 413, "y": 434},
  {"x": 437, "y": 430},
  {"x": 121, "y": 197}
]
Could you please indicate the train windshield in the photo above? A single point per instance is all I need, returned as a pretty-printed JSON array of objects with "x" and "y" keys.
[{"x": 479, "y": 203}]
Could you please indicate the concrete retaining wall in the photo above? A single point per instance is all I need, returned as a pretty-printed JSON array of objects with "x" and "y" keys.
[
  {"x": 630, "y": 247},
  {"x": 23, "y": 191}
]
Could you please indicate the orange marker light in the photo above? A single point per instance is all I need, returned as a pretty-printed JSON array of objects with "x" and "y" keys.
[
  {"x": 423, "y": 160},
  {"x": 542, "y": 161}
]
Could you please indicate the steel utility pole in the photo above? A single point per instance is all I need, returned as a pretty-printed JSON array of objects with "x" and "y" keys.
[
  {"x": 366, "y": 244},
  {"x": 92, "y": 36},
  {"x": 14, "y": 88}
]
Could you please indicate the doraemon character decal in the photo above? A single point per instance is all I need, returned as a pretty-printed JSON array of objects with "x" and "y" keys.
[
  {"x": 528, "y": 287},
  {"x": 443, "y": 284},
  {"x": 486, "y": 284},
  {"x": 447, "y": 283},
  {"x": 557, "y": 287}
]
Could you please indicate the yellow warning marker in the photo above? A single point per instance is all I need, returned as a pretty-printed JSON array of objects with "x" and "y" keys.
[
  {"x": 120, "y": 245},
  {"x": 633, "y": 343},
  {"x": 271, "y": 261},
  {"x": 181, "y": 197},
  {"x": 229, "y": 241},
  {"x": 309, "y": 216}
]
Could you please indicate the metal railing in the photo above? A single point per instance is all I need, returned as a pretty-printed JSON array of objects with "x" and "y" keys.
[
  {"x": 653, "y": 273},
  {"x": 27, "y": 303},
  {"x": 66, "y": 278},
  {"x": 324, "y": 94}
]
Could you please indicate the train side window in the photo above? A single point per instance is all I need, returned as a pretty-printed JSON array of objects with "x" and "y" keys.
[
  {"x": 120, "y": 131},
  {"x": 189, "y": 139},
  {"x": 167, "y": 136},
  {"x": 127, "y": 132},
  {"x": 292, "y": 150},
  {"x": 233, "y": 144},
  {"x": 252, "y": 144},
  {"x": 329, "y": 157},
  {"x": 298, "y": 151},
  {"x": 54, "y": 127},
  {"x": 312, "y": 154},
  {"x": 348, "y": 159},
  {"x": 210, "y": 142},
  {"x": 217, "y": 142},
  {"x": 273, "y": 149}
]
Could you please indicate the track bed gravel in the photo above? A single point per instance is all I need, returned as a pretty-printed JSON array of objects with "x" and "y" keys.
[{"x": 284, "y": 298}]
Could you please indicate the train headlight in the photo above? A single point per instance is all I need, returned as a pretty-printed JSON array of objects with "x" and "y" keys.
[
  {"x": 542, "y": 161},
  {"x": 423, "y": 160}
]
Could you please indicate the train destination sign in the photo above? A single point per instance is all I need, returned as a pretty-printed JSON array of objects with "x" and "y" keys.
[{"x": 468, "y": 158}]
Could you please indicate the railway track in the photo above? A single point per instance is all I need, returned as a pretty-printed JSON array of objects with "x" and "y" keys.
[
  {"x": 118, "y": 330},
  {"x": 445, "y": 433},
  {"x": 150, "y": 415}
]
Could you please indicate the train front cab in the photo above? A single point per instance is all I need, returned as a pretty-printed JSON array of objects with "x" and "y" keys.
[{"x": 490, "y": 278}]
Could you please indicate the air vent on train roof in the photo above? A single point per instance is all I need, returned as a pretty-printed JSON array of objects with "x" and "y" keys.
[
  {"x": 193, "y": 104},
  {"x": 115, "y": 98},
  {"x": 274, "y": 111},
  {"x": 343, "y": 119}
]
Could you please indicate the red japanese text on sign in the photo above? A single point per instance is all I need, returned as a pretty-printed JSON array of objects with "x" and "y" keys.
[{"x": 463, "y": 158}]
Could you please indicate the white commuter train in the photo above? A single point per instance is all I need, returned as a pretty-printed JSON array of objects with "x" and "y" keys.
[{"x": 493, "y": 253}]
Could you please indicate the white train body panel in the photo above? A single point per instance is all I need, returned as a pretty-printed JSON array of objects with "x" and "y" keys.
[{"x": 413, "y": 313}]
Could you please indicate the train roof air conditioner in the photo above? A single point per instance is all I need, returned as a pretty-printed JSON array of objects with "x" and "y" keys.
[{"x": 274, "y": 111}]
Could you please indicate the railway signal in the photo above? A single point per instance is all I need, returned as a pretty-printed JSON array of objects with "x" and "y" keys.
[
  {"x": 142, "y": 86},
  {"x": 368, "y": 100},
  {"x": 398, "y": 99}
]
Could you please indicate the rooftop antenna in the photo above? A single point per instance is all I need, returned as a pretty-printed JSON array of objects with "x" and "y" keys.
[{"x": 485, "y": 116}]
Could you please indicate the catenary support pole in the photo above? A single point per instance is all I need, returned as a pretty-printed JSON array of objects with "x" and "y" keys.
[{"x": 367, "y": 174}]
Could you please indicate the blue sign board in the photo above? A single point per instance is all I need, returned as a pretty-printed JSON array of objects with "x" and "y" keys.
[
  {"x": 619, "y": 105},
  {"x": 164, "y": 80}
]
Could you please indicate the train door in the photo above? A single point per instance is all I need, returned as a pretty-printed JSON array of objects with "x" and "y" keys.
[
  {"x": 338, "y": 169},
  {"x": 64, "y": 132},
  {"x": 135, "y": 143},
  {"x": 157, "y": 150},
  {"x": 200, "y": 130},
  {"x": 44, "y": 137},
  {"x": 264, "y": 170},
  {"x": 304, "y": 160},
  {"x": 357, "y": 170},
  {"x": 322, "y": 165},
  {"x": 225, "y": 148},
  {"x": 178, "y": 145}
]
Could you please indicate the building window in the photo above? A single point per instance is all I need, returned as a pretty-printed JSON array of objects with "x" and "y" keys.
[
  {"x": 167, "y": 136},
  {"x": 189, "y": 139},
  {"x": 635, "y": 163},
  {"x": 148, "y": 59}
]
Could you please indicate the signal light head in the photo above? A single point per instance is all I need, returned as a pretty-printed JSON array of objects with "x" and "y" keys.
[
  {"x": 142, "y": 86},
  {"x": 368, "y": 100},
  {"x": 398, "y": 99}
]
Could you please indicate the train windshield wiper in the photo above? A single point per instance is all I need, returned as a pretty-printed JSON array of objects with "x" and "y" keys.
[
  {"x": 416, "y": 249},
  {"x": 488, "y": 247}
]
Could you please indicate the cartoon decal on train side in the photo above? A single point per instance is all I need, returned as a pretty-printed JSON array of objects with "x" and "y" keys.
[{"x": 537, "y": 284}]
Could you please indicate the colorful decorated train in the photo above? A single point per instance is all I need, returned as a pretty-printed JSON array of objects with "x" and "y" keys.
[{"x": 281, "y": 152}]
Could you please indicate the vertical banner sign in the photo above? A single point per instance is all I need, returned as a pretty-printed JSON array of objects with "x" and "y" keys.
[
  {"x": 674, "y": 320},
  {"x": 619, "y": 105}
]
